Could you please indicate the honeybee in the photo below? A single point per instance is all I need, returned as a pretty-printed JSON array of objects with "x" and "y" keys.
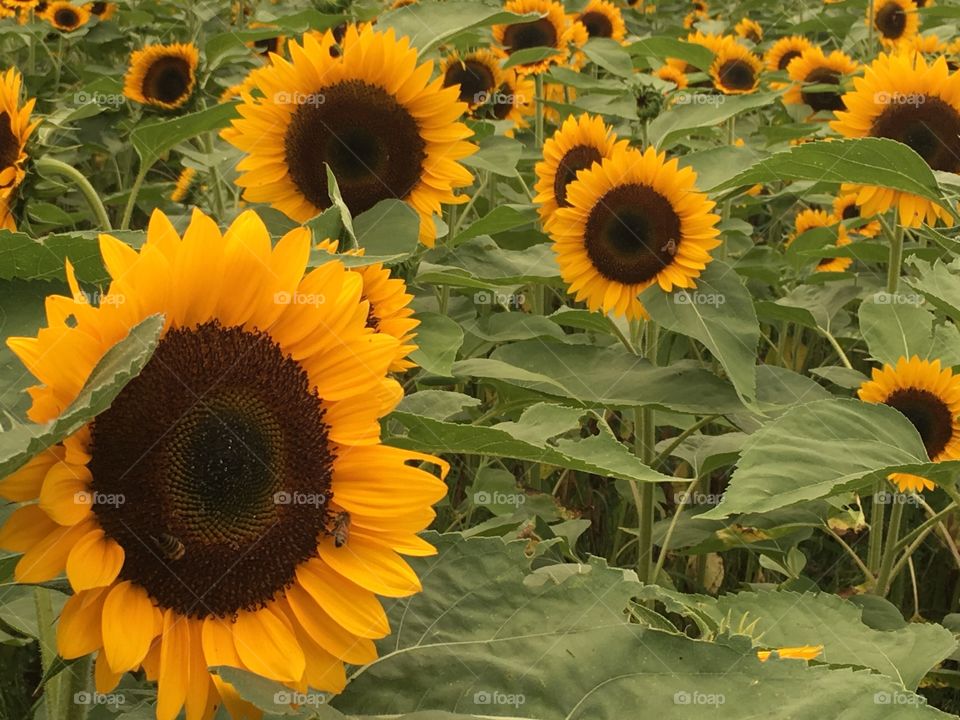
[
  {"x": 170, "y": 547},
  {"x": 670, "y": 248},
  {"x": 341, "y": 528}
]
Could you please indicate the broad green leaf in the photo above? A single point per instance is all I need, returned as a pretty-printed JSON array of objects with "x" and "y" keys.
[
  {"x": 663, "y": 47},
  {"x": 390, "y": 228},
  {"x": 438, "y": 340},
  {"x": 698, "y": 110},
  {"x": 715, "y": 165},
  {"x": 940, "y": 284},
  {"x": 21, "y": 315},
  {"x": 116, "y": 368},
  {"x": 26, "y": 258},
  {"x": 869, "y": 161},
  {"x": 896, "y": 326},
  {"x": 152, "y": 139},
  {"x": 821, "y": 449},
  {"x": 528, "y": 56},
  {"x": 267, "y": 695},
  {"x": 502, "y": 217},
  {"x": 497, "y": 154},
  {"x": 436, "y": 404},
  {"x": 502, "y": 327},
  {"x": 429, "y": 24},
  {"x": 480, "y": 263},
  {"x": 719, "y": 313},
  {"x": 610, "y": 55},
  {"x": 336, "y": 200}
]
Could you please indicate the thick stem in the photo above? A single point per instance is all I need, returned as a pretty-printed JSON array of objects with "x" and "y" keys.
[
  {"x": 55, "y": 167},
  {"x": 538, "y": 126},
  {"x": 895, "y": 260},
  {"x": 881, "y": 587},
  {"x": 132, "y": 200}
]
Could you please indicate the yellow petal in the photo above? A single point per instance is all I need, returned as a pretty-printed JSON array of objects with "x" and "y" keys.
[
  {"x": 95, "y": 561},
  {"x": 78, "y": 632},
  {"x": 267, "y": 646},
  {"x": 127, "y": 626},
  {"x": 174, "y": 669}
]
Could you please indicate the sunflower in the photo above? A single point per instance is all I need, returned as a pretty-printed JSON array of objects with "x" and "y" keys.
[
  {"x": 15, "y": 130},
  {"x": 814, "y": 68},
  {"x": 513, "y": 100},
  {"x": 577, "y": 37},
  {"x": 750, "y": 30},
  {"x": 735, "y": 69},
  {"x": 811, "y": 219},
  {"x": 930, "y": 399},
  {"x": 634, "y": 220},
  {"x": 550, "y": 31},
  {"x": 162, "y": 75},
  {"x": 926, "y": 44},
  {"x": 670, "y": 73},
  {"x": 390, "y": 310},
  {"x": 372, "y": 115},
  {"x": 65, "y": 16},
  {"x": 103, "y": 10},
  {"x": 476, "y": 74},
  {"x": 267, "y": 45},
  {"x": 6, "y": 12},
  {"x": 692, "y": 18},
  {"x": 236, "y": 490},
  {"x": 845, "y": 208},
  {"x": 804, "y": 652},
  {"x": 907, "y": 99},
  {"x": 577, "y": 145},
  {"x": 603, "y": 19},
  {"x": 23, "y": 6},
  {"x": 784, "y": 50},
  {"x": 182, "y": 186},
  {"x": 895, "y": 20}
]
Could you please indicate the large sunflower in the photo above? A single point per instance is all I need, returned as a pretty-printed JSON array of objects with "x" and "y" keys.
[
  {"x": 15, "y": 129},
  {"x": 907, "y": 99},
  {"x": 784, "y": 50},
  {"x": 634, "y": 220},
  {"x": 371, "y": 114},
  {"x": 811, "y": 72},
  {"x": 895, "y": 20},
  {"x": 576, "y": 145},
  {"x": 162, "y": 75},
  {"x": 65, "y": 16},
  {"x": 550, "y": 31},
  {"x": 602, "y": 19},
  {"x": 234, "y": 505},
  {"x": 735, "y": 69},
  {"x": 930, "y": 399},
  {"x": 477, "y": 75}
]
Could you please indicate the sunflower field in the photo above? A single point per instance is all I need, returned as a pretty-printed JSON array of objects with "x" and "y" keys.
[{"x": 459, "y": 359}]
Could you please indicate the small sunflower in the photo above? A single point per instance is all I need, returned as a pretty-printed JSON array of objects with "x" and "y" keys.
[
  {"x": 162, "y": 75},
  {"x": 811, "y": 72},
  {"x": 602, "y": 19},
  {"x": 577, "y": 37},
  {"x": 15, "y": 130},
  {"x": 103, "y": 10},
  {"x": 926, "y": 44},
  {"x": 784, "y": 50},
  {"x": 634, "y": 220},
  {"x": 930, "y": 398},
  {"x": 693, "y": 17},
  {"x": 845, "y": 208},
  {"x": 895, "y": 20},
  {"x": 513, "y": 100},
  {"x": 267, "y": 45},
  {"x": 371, "y": 114},
  {"x": 673, "y": 74},
  {"x": 907, "y": 99},
  {"x": 193, "y": 532},
  {"x": 750, "y": 30},
  {"x": 65, "y": 16},
  {"x": 182, "y": 186},
  {"x": 735, "y": 69},
  {"x": 810, "y": 219},
  {"x": 476, "y": 74},
  {"x": 550, "y": 31},
  {"x": 577, "y": 145}
]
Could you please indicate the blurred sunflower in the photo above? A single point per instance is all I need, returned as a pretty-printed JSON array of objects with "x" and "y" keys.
[
  {"x": 513, "y": 100},
  {"x": 15, "y": 130},
  {"x": 927, "y": 44},
  {"x": 371, "y": 114},
  {"x": 550, "y": 31},
  {"x": 784, "y": 50},
  {"x": 907, "y": 99},
  {"x": 576, "y": 145},
  {"x": 693, "y": 17},
  {"x": 254, "y": 529},
  {"x": 672, "y": 74},
  {"x": 266, "y": 45},
  {"x": 930, "y": 399},
  {"x": 182, "y": 186},
  {"x": 65, "y": 16},
  {"x": 814, "y": 70},
  {"x": 103, "y": 10},
  {"x": 602, "y": 19},
  {"x": 811, "y": 219},
  {"x": 845, "y": 208},
  {"x": 633, "y": 220},
  {"x": 163, "y": 76},
  {"x": 895, "y": 20},
  {"x": 735, "y": 69},
  {"x": 750, "y": 30},
  {"x": 477, "y": 75}
]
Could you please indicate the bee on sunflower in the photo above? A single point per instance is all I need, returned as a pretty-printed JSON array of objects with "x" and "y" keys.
[
  {"x": 162, "y": 76},
  {"x": 191, "y": 531}
]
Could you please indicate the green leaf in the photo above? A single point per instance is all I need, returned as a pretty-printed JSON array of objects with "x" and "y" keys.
[
  {"x": 116, "y": 368},
  {"x": 26, "y": 258},
  {"x": 545, "y": 433},
  {"x": 390, "y": 228},
  {"x": 501, "y": 218},
  {"x": 481, "y": 263},
  {"x": 895, "y": 326},
  {"x": 821, "y": 449},
  {"x": 497, "y": 154},
  {"x": 610, "y": 55},
  {"x": 436, "y": 404},
  {"x": 336, "y": 200},
  {"x": 529, "y": 55},
  {"x": 940, "y": 284},
  {"x": 719, "y": 313},
  {"x": 867, "y": 161},
  {"x": 267, "y": 695},
  {"x": 696, "y": 110},
  {"x": 667, "y": 47},
  {"x": 152, "y": 139},
  {"x": 438, "y": 340}
]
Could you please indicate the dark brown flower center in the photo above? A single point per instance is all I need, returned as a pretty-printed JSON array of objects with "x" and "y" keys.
[
  {"x": 632, "y": 234},
  {"x": 850, "y": 212},
  {"x": 475, "y": 79},
  {"x": 597, "y": 24},
  {"x": 167, "y": 80},
  {"x": 212, "y": 470},
  {"x": 929, "y": 414},
  {"x": 577, "y": 158},
  {"x": 786, "y": 58},
  {"x": 98, "y": 8},
  {"x": 737, "y": 75},
  {"x": 267, "y": 45},
  {"x": 503, "y": 101},
  {"x": 66, "y": 18},
  {"x": 537, "y": 33},
  {"x": 891, "y": 20},
  {"x": 927, "y": 124},
  {"x": 823, "y": 99},
  {"x": 9, "y": 142},
  {"x": 371, "y": 143}
]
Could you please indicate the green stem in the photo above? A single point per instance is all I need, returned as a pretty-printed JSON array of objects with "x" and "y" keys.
[
  {"x": 881, "y": 587},
  {"x": 49, "y": 165},
  {"x": 673, "y": 523},
  {"x": 836, "y": 346},
  {"x": 868, "y": 576},
  {"x": 53, "y": 690},
  {"x": 644, "y": 441},
  {"x": 870, "y": 29},
  {"x": 466, "y": 208},
  {"x": 214, "y": 177},
  {"x": 538, "y": 126},
  {"x": 922, "y": 529},
  {"x": 78, "y": 679},
  {"x": 896, "y": 259},
  {"x": 132, "y": 200},
  {"x": 680, "y": 438}
]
